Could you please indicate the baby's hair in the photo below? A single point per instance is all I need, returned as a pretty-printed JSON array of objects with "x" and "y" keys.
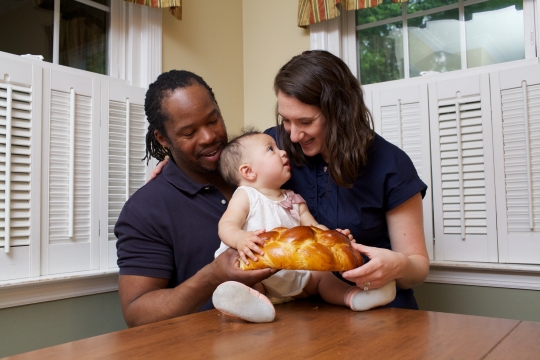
[{"x": 232, "y": 156}]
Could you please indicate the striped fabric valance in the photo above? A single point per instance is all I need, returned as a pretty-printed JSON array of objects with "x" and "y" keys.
[
  {"x": 175, "y": 6},
  {"x": 315, "y": 11}
]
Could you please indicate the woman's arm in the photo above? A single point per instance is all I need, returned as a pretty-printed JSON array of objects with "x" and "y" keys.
[
  {"x": 157, "y": 170},
  {"x": 408, "y": 262}
]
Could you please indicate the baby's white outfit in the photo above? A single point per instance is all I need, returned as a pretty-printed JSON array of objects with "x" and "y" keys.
[{"x": 269, "y": 214}]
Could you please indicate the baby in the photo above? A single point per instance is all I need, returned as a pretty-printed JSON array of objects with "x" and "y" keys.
[{"x": 255, "y": 164}]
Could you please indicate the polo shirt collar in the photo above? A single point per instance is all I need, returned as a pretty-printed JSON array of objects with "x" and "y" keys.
[{"x": 180, "y": 180}]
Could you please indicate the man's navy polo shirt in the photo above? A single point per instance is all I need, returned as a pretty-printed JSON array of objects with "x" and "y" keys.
[
  {"x": 388, "y": 180},
  {"x": 169, "y": 228}
]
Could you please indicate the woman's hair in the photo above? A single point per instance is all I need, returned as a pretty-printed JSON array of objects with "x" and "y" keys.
[
  {"x": 232, "y": 157},
  {"x": 157, "y": 93},
  {"x": 323, "y": 80}
]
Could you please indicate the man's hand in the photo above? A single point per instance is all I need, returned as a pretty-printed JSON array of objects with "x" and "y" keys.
[
  {"x": 226, "y": 268},
  {"x": 347, "y": 233}
]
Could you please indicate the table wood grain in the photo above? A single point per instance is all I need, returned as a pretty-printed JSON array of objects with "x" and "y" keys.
[
  {"x": 306, "y": 329},
  {"x": 522, "y": 343}
]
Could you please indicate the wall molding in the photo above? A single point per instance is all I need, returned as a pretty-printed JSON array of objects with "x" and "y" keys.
[
  {"x": 49, "y": 288},
  {"x": 508, "y": 276}
]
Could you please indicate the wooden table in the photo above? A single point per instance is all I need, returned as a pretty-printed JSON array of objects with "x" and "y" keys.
[{"x": 316, "y": 330}]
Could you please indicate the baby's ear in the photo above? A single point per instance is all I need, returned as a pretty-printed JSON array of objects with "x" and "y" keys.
[{"x": 247, "y": 172}]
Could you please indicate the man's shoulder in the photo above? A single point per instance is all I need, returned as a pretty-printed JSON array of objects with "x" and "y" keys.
[
  {"x": 157, "y": 193},
  {"x": 158, "y": 187}
]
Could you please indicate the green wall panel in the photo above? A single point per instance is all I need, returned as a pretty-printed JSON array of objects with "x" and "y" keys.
[
  {"x": 31, "y": 327},
  {"x": 478, "y": 300}
]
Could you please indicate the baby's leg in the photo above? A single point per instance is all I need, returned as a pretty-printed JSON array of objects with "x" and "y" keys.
[
  {"x": 260, "y": 288},
  {"x": 331, "y": 289},
  {"x": 335, "y": 291}
]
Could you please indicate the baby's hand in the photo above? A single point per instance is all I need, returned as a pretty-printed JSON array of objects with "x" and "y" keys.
[
  {"x": 247, "y": 245},
  {"x": 347, "y": 232}
]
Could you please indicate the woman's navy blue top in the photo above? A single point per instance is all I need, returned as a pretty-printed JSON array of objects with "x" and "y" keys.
[{"x": 388, "y": 180}]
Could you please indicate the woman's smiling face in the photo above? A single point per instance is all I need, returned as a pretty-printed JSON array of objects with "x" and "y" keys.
[{"x": 305, "y": 124}]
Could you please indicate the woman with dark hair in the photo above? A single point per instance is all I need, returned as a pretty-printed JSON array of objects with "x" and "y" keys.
[{"x": 351, "y": 177}]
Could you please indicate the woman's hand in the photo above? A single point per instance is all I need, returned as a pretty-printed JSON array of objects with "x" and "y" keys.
[
  {"x": 408, "y": 263},
  {"x": 155, "y": 171},
  {"x": 384, "y": 266}
]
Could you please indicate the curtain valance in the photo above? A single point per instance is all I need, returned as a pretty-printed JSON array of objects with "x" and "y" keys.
[
  {"x": 175, "y": 6},
  {"x": 315, "y": 11}
]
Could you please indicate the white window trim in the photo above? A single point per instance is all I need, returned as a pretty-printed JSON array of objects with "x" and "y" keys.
[
  {"x": 56, "y": 287},
  {"x": 135, "y": 55},
  {"x": 338, "y": 36},
  {"x": 135, "y": 43},
  {"x": 510, "y": 276}
]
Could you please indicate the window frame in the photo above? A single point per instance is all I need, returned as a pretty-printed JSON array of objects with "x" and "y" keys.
[{"x": 56, "y": 25}]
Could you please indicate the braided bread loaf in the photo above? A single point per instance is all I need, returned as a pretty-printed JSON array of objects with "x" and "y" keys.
[{"x": 306, "y": 248}]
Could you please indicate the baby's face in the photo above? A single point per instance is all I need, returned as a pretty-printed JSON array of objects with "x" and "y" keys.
[{"x": 267, "y": 161}]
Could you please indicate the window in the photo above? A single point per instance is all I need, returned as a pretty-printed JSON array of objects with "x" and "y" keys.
[
  {"x": 70, "y": 145},
  {"x": 400, "y": 41},
  {"x": 65, "y": 32}
]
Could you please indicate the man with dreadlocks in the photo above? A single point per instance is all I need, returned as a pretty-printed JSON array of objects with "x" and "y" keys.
[{"x": 168, "y": 230}]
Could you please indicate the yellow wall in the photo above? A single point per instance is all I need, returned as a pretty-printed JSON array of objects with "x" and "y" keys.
[
  {"x": 208, "y": 42},
  {"x": 237, "y": 47},
  {"x": 271, "y": 38}
]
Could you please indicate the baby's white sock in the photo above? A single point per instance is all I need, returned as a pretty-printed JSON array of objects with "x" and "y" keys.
[
  {"x": 236, "y": 299},
  {"x": 360, "y": 300}
]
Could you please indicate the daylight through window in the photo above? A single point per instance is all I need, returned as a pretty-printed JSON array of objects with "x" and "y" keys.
[{"x": 399, "y": 41}]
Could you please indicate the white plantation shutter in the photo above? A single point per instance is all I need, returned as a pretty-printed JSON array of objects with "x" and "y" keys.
[
  {"x": 15, "y": 138},
  {"x": 54, "y": 166},
  {"x": 125, "y": 130},
  {"x": 19, "y": 171},
  {"x": 401, "y": 116},
  {"x": 516, "y": 122},
  {"x": 463, "y": 178},
  {"x": 71, "y": 232}
]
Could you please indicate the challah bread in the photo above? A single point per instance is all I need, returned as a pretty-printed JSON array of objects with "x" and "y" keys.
[{"x": 305, "y": 248}]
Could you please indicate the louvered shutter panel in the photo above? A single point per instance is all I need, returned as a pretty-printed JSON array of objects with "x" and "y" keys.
[
  {"x": 463, "y": 176},
  {"x": 401, "y": 117},
  {"x": 516, "y": 134},
  {"x": 125, "y": 130},
  {"x": 70, "y": 218},
  {"x": 19, "y": 170}
]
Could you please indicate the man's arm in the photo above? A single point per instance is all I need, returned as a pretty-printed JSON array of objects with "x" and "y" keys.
[{"x": 146, "y": 299}]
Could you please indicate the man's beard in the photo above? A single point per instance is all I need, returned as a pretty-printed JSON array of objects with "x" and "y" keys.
[{"x": 196, "y": 165}]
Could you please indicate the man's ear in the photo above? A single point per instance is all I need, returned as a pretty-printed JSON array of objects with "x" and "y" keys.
[
  {"x": 247, "y": 172},
  {"x": 162, "y": 140}
]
